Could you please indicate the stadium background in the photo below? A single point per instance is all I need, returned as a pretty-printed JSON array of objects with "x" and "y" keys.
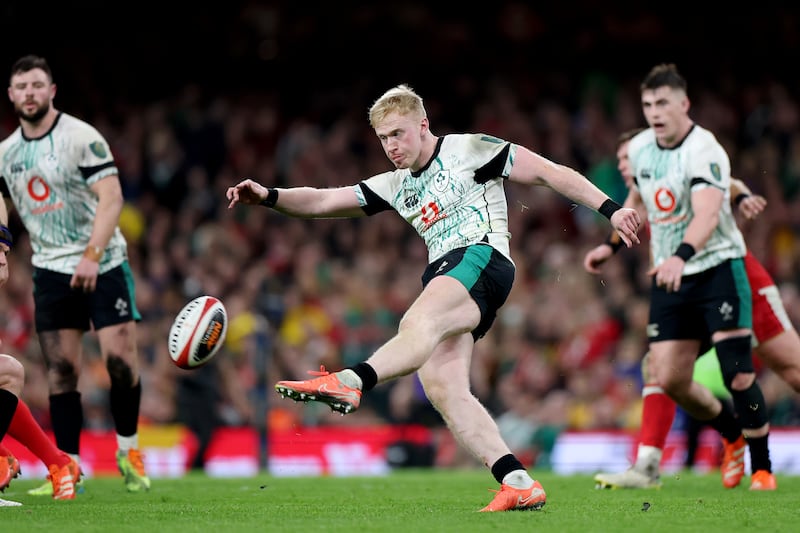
[{"x": 192, "y": 99}]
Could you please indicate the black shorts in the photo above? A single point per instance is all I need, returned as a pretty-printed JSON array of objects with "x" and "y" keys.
[
  {"x": 60, "y": 307},
  {"x": 486, "y": 273},
  {"x": 715, "y": 300}
]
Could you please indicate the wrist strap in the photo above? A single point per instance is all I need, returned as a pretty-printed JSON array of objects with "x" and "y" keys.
[
  {"x": 685, "y": 251},
  {"x": 608, "y": 208},
  {"x": 93, "y": 253},
  {"x": 739, "y": 197},
  {"x": 271, "y": 199}
]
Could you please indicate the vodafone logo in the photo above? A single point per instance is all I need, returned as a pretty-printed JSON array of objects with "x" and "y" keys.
[
  {"x": 38, "y": 189},
  {"x": 664, "y": 199}
]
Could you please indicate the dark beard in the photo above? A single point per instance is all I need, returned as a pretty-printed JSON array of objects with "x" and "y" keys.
[{"x": 36, "y": 117}]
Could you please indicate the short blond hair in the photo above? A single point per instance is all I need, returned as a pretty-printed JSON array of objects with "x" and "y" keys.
[{"x": 400, "y": 99}]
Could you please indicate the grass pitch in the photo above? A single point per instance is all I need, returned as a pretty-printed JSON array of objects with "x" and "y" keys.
[{"x": 412, "y": 501}]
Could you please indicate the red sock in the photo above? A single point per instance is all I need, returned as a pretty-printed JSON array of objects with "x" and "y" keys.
[
  {"x": 28, "y": 432},
  {"x": 4, "y": 451},
  {"x": 658, "y": 412}
]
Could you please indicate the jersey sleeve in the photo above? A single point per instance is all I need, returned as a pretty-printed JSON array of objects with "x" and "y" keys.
[
  {"x": 375, "y": 193},
  {"x": 709, "y": 166},
  {"x": 95, "y": 160},
  {"x": 498, "y": 166}
]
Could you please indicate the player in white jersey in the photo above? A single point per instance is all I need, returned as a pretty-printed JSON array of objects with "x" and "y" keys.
[
  {"x": 776, "y": 342},
  {"x": 666, "y": 180},
  {"x": 450, "y": 189},
  {"x": 60, "y": 174},
  {"x": 700, "y": 285}
]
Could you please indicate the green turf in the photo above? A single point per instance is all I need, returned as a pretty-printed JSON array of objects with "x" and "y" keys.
[{"x": 413, "y": 501}]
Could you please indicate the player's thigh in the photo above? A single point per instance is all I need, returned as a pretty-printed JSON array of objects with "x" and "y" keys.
[
  {"x": 781, "y": 354},
  {"x": 61, "y": 317},
  {"x": 675, "y": 315},
  {"x": 112, "y": 302},
  {"x": 724, "y": 294},
  {"x": 671, "y": 362},
  {"x": 769, "y": 315},
  {"x": 114, "y": 314},
  {"x": 487, "y": 276},
  {"x": 57, "y": 305},
  {"x": 444, "y": 308}
]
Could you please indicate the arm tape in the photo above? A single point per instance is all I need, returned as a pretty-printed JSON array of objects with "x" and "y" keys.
[
  {"x": 271, "y": 199},
  {"x": 739, "y": 198},
  {"x": 608, "y": 208},
  {"x": 685, "y": 251}
]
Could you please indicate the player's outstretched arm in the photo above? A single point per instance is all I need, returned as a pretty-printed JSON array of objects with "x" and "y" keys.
[
  {"x": 302, "y": 202},
  {"x": 532, "y": 169}
]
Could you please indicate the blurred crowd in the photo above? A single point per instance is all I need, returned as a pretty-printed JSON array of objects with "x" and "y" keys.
[{"x": 565, "y": 350}]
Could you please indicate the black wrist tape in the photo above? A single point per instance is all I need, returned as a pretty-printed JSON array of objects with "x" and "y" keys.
[
  {"x": 608, "y": 208},
  {"x": 271, "y": 199},
  {"x": 685, "y": 251},
  {"x": 739, "y": 197}
]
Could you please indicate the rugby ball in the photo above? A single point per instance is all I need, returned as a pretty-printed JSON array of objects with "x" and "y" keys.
[{"x": 198, "y": 332}]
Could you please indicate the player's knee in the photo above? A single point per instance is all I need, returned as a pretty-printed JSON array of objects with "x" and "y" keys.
[
  {"x": 12, "y": 374},
  {"x": 647, "y": 374},
  {"x": 675, "y": 387},
  {"x": 120, "y": 372},
  {"x": 736, "y": 362},
  {"x": 414, "y": 328},
  {"x": 742, "y": 381},
  {"x": 750, "y": 407},
  {"x": 63, "y": 372}
]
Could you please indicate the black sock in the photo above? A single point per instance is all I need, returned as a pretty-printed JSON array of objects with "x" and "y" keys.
[
  {"x": 125, "y": 407},
  {"x": 8, "y": 406},
  {"x": 504, "y": 465},
  {"x": 759, "y": 453},
  {"x": 66, "y": 417},
  {"x": 367, "y": 374},
  {"x": 725, "y": 422}
]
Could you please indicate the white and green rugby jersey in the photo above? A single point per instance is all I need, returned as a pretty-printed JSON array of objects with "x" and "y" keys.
[
  {"x": 456, "y": 200},
  {"x": 665, "y": 179},
  {"x": 48, "y": 179}
]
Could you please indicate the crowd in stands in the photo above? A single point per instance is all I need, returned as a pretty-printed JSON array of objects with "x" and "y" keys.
[{"x": 565, "y": 350}]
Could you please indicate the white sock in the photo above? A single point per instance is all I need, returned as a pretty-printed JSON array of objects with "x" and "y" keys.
[
  {"x": 128, "y": 443},
  {"x": 350, "y": 378},
  {"x": 519, "y": 479},
  {"x": 75, "y": 457},
  {"x": 648, "y": 460}
]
